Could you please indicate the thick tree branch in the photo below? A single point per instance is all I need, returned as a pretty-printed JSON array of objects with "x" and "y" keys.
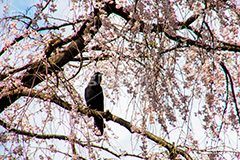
[
  {"x": 107, "y": 115},
  {"x": 32, "y": 76},
  {"x": 133, "y": 129}
]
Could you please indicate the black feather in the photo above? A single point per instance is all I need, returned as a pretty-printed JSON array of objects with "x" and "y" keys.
[{"x": 95, "y": 100}]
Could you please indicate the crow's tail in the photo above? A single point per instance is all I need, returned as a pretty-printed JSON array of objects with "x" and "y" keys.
[{"x": 98, "y": 122}]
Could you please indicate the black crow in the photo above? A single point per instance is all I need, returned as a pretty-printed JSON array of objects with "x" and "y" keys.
[{"x": 94, "y": 99}]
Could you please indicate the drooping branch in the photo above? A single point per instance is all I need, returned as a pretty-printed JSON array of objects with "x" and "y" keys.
[
  {"x": 63, "y": 137},
  {"x": 226, "y": 102},
  {"x": 228, "y": 75}
]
